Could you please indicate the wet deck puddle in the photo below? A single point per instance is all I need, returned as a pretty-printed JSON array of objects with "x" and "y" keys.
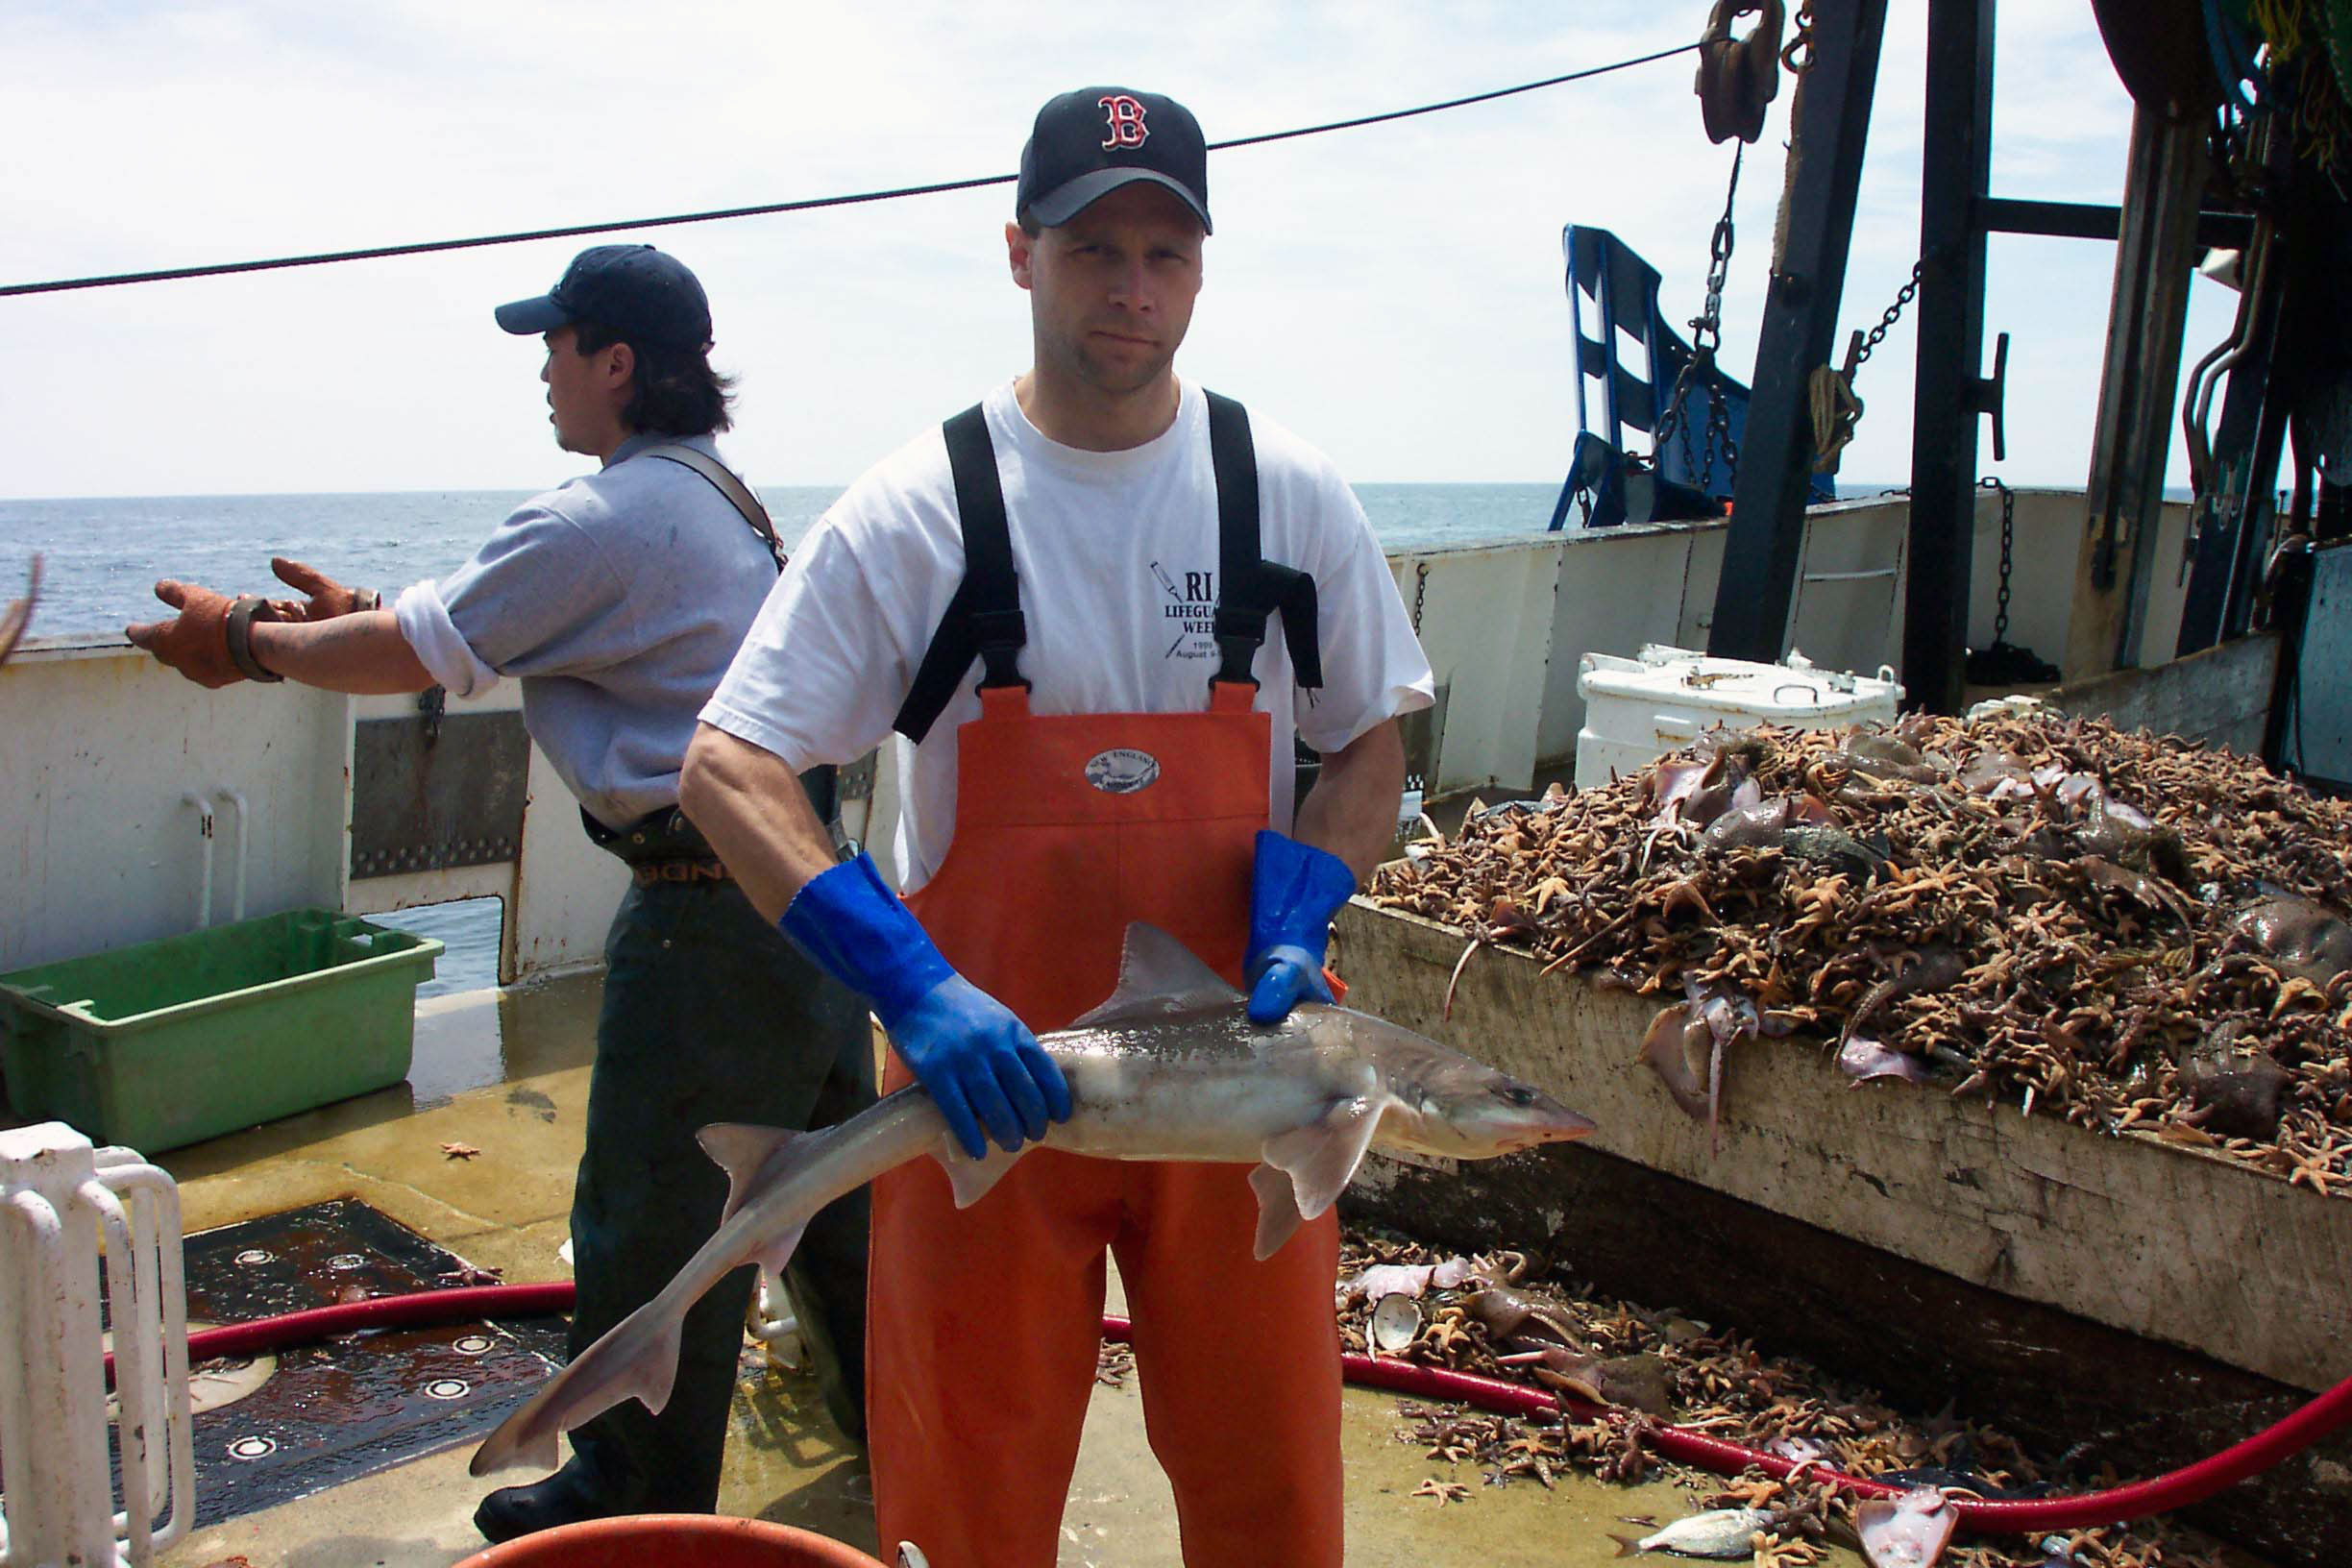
[{"x": 360, "y": 1403}]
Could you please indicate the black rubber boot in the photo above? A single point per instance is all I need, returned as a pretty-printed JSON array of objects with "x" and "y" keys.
[{"x": 577, "y": 1491}]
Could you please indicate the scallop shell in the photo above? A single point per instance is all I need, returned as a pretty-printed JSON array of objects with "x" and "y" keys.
[{"x": 1396, "y": 1321}]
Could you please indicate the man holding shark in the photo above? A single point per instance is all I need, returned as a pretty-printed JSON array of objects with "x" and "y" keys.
[{"x": 1110, "y": 548}]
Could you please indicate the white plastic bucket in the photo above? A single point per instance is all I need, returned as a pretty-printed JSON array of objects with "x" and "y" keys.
[{"x": 1636, "y": 710}]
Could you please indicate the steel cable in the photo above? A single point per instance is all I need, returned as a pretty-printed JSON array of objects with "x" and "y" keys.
[{"x": 374, "y": 253}]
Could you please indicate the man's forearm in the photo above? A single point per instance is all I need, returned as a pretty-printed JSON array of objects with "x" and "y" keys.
[
  {"x": 748, "y": 803},
  {"x": 1352, "y": 810},
  {"x": 363, "y": 653}
]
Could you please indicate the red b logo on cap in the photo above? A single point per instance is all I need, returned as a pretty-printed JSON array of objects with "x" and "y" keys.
[{"x": 1126, "y": 119}]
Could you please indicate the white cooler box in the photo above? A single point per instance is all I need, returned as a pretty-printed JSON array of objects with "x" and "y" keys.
[{"x": 1638, "y": 710}]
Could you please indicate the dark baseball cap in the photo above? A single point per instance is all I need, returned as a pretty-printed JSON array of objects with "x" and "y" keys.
[
  {"x": 636, "y": 290},
  {"x": 1087, "y": 144}
]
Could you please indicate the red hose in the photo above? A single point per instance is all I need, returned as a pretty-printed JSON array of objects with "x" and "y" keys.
[
  {"x": 266, "y": 1333},
  {"x": 2313, "y": 1422},
  {"x": 2181, "y": 1488}
]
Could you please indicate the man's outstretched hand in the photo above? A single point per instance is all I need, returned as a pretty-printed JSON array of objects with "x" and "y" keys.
[
  {"x": 322, "y": 597},
  {"x": 195, "y": 641}
]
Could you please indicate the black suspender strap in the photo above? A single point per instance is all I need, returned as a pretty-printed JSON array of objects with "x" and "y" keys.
[
  {"x": 1250, "y": 587},
  {"x": 723, "y": 480},
  {"x": 984, "y": 619}
]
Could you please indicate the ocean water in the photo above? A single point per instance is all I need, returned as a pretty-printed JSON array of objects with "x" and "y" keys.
[{"x": 102, "y": 557}]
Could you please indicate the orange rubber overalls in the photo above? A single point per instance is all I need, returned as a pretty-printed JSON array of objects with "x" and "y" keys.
[{"x": 985, "y": 1323}]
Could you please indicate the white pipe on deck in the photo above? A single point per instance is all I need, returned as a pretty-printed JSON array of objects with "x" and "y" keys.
[
  {"x": 237, "y": 799},
  {"x": 204, "y": 897},
  {"x": 772, "y": 1321}
]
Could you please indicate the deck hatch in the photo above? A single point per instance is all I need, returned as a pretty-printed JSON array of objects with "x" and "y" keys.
[{"x": 346, "y": 1408}]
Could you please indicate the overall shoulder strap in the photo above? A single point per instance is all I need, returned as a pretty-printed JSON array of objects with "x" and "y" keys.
[
  {"x": 723, "y": 480},
  {"x": 984, "y": 619},
  {"x": 1250, "y": 587}
]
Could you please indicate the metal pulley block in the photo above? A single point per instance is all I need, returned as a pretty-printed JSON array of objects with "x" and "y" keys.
[{"x": 1739, "y": 77}]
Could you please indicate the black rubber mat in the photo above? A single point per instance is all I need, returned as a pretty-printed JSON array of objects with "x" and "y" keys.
[{"x": 347, "y": 1406}]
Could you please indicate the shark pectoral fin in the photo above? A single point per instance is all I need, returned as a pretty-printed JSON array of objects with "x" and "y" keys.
[
  {"x": 1321, "y": 1156},
  {"x": 1278, "y": 1215},
  {"x": 973, "y": 1178},
  {"x": 741, "y": 1150}
]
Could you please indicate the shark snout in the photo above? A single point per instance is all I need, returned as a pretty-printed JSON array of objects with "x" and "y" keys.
[{"x": 1568, "y": 1124}]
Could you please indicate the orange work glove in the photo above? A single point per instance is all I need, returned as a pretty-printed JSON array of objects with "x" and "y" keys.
[
  {"x": 327, "y": 597},
  {"x": 195, "y": 641}
]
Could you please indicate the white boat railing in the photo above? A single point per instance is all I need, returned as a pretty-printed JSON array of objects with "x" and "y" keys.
[
  {"x": 66, "y": 1208},
  {"x": 105, "y": 749}
]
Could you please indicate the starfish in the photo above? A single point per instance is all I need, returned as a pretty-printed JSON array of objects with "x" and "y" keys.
[
  {"x": 1747, "y": 1494},
  {"x": 1444, "y": 1491},
  {"x": 459, "y": 1151}
]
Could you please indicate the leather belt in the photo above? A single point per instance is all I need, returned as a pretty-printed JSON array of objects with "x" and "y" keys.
[{"x": 649, "y": 872}]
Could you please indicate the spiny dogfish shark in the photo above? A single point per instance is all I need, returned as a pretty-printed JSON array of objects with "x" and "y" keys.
[{"x": 1170, "y": 1068}]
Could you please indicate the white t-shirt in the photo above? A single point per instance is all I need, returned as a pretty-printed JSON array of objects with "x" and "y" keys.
[{"x": 1116, "y": 557}]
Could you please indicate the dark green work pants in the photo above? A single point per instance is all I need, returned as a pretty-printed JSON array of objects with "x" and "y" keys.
[{"x": 710, "y": 1015}]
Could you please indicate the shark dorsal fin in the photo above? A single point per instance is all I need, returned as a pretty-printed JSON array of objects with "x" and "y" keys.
[{"x": 1159, "y": 977}]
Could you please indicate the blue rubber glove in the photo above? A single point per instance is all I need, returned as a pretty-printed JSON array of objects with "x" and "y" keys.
[
  {"x": 981, "y": 1065},
  {"x": 1295, "y": 889}
]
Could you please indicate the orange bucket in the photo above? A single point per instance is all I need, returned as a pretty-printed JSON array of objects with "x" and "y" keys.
[{"x": 689, "y": 1541}]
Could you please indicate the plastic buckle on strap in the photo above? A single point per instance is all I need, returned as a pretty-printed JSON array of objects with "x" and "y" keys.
[
  {"x": 1237, "y": 655},
  {"x": 1239, "y": 632},
  {"x": 1001, "y": 635}
]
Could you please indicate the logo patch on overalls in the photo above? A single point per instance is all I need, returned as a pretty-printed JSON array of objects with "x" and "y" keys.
[{"x": 1122, "y": 771}]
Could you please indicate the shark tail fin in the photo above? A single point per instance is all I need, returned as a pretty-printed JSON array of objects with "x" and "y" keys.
[
  {"x": 742, "y": 1151},
  {"x": 638, "y": 1359},
  {"x": 524, "y": 1438}
]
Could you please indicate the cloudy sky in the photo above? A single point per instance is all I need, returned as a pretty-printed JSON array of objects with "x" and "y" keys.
[{"x": 1393, "y": 293}]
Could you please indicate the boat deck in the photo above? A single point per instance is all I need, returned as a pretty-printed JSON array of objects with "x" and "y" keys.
[{"x": 507, "y": 1073}]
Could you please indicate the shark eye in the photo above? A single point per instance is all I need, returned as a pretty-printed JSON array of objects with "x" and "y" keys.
[{"x": 1518, "y": 1094}]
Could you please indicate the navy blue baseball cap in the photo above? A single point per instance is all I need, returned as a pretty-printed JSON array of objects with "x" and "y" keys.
[
  {"x": 636, "y": 290},
  {"x": 1087, "y": 144}
]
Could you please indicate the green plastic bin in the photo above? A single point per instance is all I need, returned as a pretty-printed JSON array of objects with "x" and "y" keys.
[{"x": 177, "y": 1041}]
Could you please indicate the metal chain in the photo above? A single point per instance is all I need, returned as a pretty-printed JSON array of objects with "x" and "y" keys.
[
  {"x": 2008, "y": 554},
  {"x": 1706, "y": 327},
  {"x": 1830, "y": 393},
  {"x": 1904, "y": 296},
  {"x": 1719, "y": 435},
  {"x": 1421, "y": 592},
  {"x": 1706, "y": 331}
]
